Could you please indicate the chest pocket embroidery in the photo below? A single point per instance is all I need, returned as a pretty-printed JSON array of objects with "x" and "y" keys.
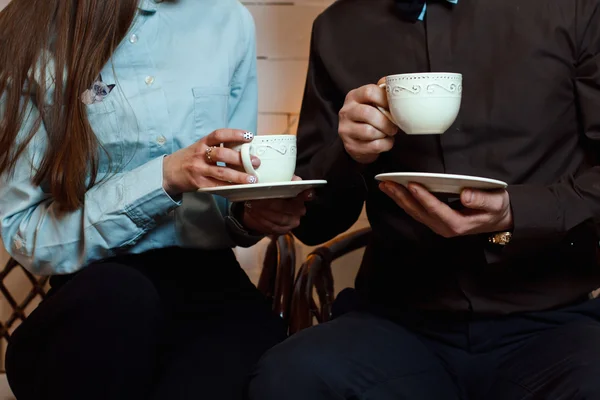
[{"x": 97, "y": 92}]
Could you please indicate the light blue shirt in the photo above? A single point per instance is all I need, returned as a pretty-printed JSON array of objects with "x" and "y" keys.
[
  {"x": 185, "y": 69},
  {"x": 425, "y": 8}
]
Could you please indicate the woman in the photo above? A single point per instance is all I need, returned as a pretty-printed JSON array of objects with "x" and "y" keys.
[{"x": 112, "y": 116}]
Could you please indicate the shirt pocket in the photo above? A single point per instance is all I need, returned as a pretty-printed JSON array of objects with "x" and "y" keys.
[
  {"x": 210, "y": 108},
  {"x": 104, "y": 121}
]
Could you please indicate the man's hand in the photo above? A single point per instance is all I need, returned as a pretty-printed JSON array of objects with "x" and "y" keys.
[
  {"x": 485, "y": 212},
  {"x": 275, "y": 216},
  {"x": 364, "y": 130}
]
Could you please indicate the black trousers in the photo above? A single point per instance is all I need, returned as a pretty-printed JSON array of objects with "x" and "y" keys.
[
  {"x": 168, "y": 324},
  {"x": 432, "y": 356}
]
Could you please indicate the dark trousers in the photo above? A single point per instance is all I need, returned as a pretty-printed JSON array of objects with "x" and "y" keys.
[
  {"x": 432, "y": 356},
  {"x": 168, "y": 324}
]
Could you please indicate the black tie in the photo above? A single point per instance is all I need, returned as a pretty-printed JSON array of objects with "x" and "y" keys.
[{"x": 409, "y": 9}]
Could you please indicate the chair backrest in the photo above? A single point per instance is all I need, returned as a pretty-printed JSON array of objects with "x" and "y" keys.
[
  {"x": 279, "y": 271},
  {"x": 315, "y": 279}
]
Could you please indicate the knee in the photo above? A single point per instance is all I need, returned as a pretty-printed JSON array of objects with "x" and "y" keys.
[
  {"x": 293, "y": 370},
  {"x": 112, "y": 290},
  {"x": 98, "y": 301}
]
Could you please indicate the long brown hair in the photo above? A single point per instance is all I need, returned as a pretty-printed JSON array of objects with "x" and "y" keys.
[{"x": 66, "y": 43}]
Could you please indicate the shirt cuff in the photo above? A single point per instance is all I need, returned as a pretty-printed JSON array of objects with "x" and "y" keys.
[
  {"x": 144, "y": 196},
  {"x": 536, "y": 222},
  {"x": 536, "y": 212},
  {"x": 236, "y": 230}
]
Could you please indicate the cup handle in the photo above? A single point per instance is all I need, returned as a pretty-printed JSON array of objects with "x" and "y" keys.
[
  {"x": 247, "y": 160},
  {"x": 384, "y": 111}
]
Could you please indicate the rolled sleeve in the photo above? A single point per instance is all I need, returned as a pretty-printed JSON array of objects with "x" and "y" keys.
[{"x": 145, "y": 199}]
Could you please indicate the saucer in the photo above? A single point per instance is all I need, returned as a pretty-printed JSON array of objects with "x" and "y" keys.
[
  {"x": 443, "y": 183},
  {"x": 261, "y": 191}
]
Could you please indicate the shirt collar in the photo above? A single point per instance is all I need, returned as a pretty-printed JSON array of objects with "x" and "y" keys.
[{"x": 149, "y": 5}]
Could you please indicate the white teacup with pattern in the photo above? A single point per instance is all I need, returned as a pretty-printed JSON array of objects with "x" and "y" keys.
[
  {"x": 277, "y": 154},
  {"x": 423, "y": 103}
]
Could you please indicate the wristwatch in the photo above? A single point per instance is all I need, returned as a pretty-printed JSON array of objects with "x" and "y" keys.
[{"x": 500, "y": 238}]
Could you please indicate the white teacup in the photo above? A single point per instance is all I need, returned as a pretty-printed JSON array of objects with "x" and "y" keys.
[
  {"x": 423, "y": 103},
  {"x": 277, "y": 154}
]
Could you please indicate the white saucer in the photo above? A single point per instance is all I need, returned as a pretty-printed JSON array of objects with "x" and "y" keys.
[
  {"x": 443, "y": 183},
  {"x": 261, "y": 191}
]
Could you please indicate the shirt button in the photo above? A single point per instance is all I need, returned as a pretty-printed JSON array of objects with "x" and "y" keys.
[
  {"x": 149, "y": 80},
  {"x": 133, "y": 38},
  {"x": 161, "y": 140}
]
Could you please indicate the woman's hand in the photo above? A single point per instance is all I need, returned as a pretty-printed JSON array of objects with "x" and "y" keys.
[{"x": 195, "y": 166}]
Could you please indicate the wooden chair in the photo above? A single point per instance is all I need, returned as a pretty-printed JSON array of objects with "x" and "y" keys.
[
  {"x": 19, "y": 309},
  {"x": 276, "y": 280},
  {"x": 314, "y": 287}
]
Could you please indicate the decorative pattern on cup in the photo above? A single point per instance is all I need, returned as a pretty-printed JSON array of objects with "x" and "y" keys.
[
  {"x": 279, "y": 149},
  {"x": 431, "y": 88},
  {"x": 440, "y": 85}
]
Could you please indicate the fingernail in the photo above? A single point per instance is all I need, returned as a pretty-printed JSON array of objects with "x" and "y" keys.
[
  {"x": 251, "y": 179},
  {"x": 248, "y": 135},
  {"x": 468, "y": 196},
  {"x": 255, "y": 161},
  {"x": 311, "y": 194},
  {"x": 414, "y": 189}
]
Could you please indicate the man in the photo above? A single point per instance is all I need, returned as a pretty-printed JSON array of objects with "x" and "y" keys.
[{"x": 481, "y": 297}]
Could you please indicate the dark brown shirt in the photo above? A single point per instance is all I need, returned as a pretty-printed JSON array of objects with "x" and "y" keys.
[{"x": 530, "y": 116}]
